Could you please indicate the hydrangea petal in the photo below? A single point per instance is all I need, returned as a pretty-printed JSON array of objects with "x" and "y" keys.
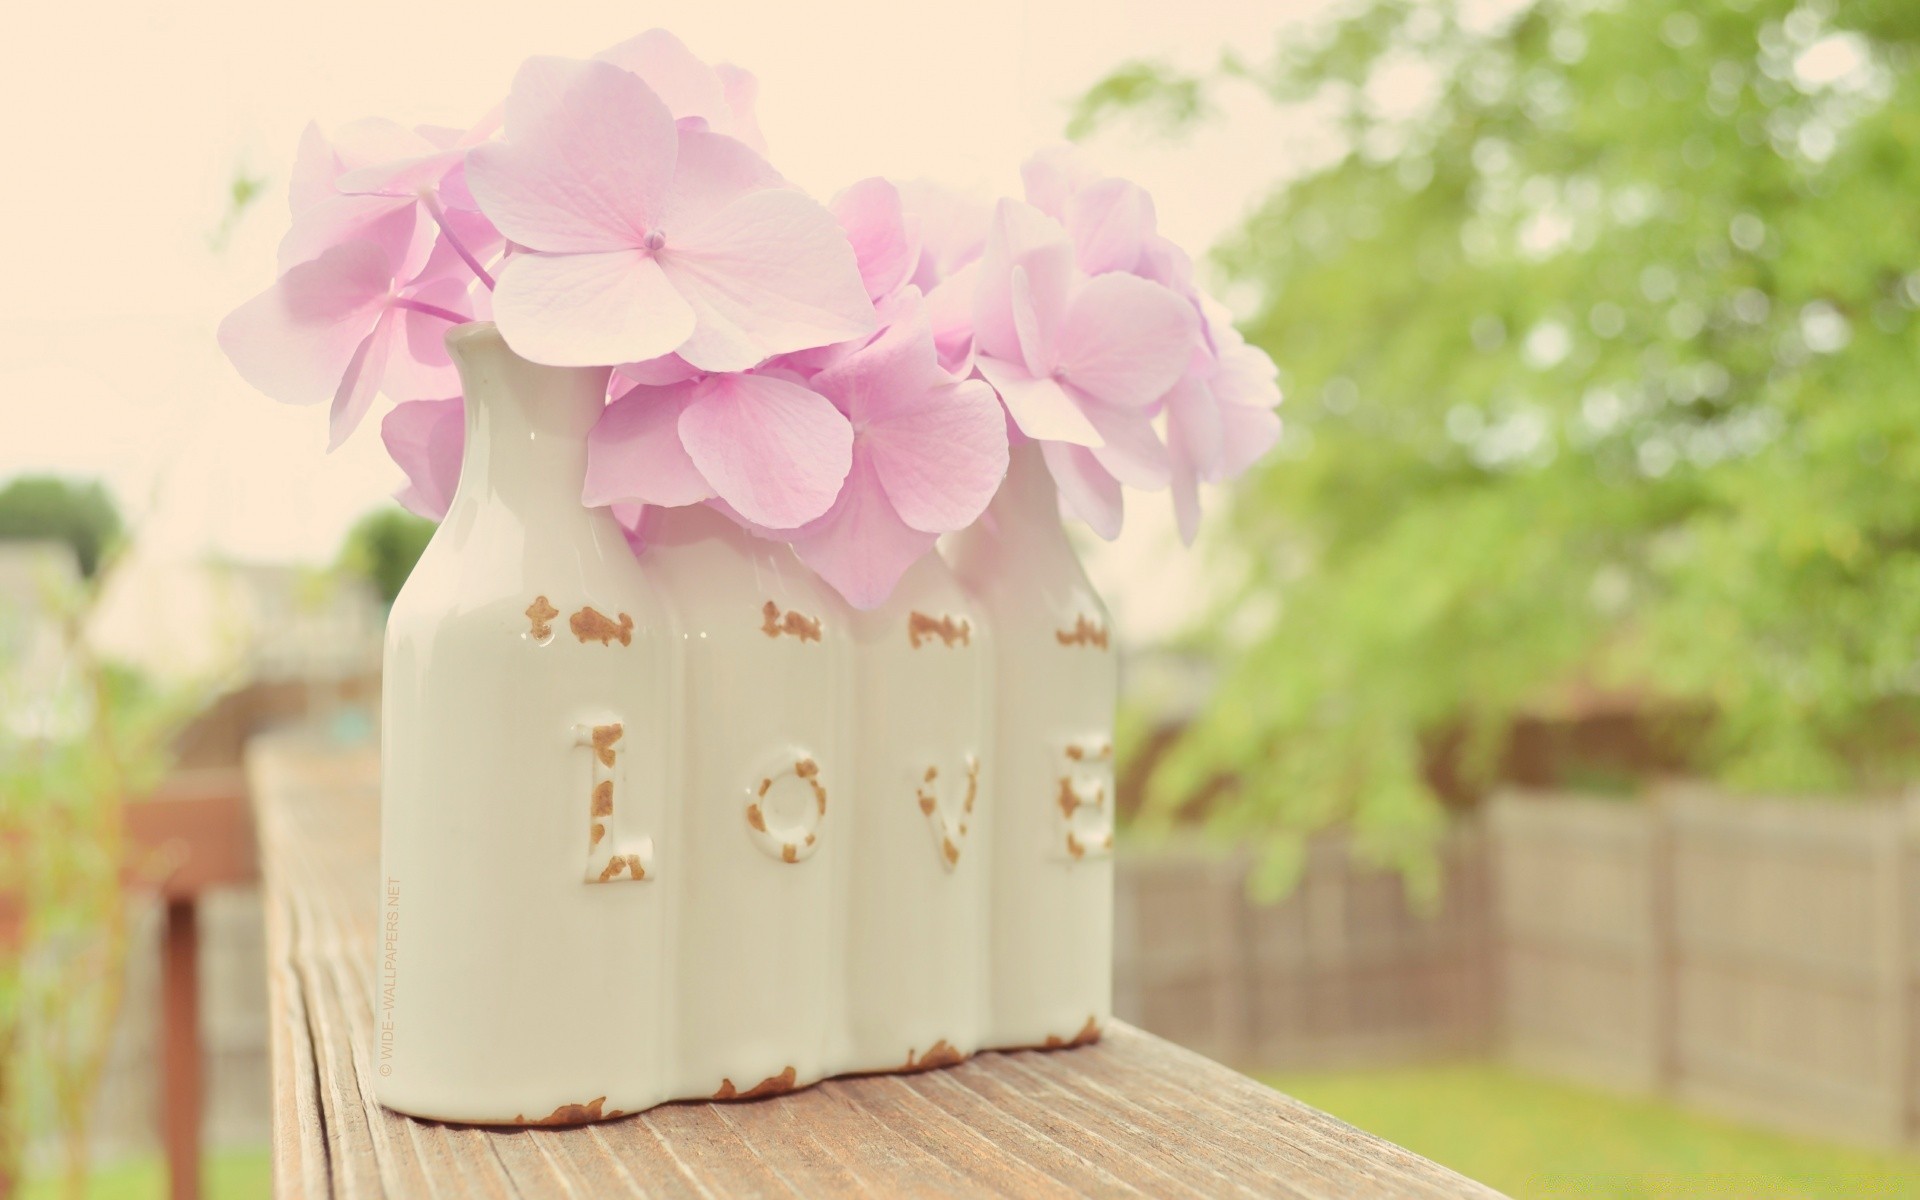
[
  {"x": 392, "y": 222},
  {"x": 861, "y": 547},
  {"x": 689, "y": 87},
  {"x": 1125, "y": 340},
  {"x": 1111, "y": 221},
  {"x": 589, "y": 309},
  {"x": 949, "y": 309},
  {"x": 363, "y": 378},
  {"x": 587, "y": 163},
  {"x": 427, "y": 438},
  {"x": 1129, "y": 448},
  {"x": 1040, "y": 408},
  {"x": 1025, "y": 237},
  {"x": 1247, "y": 432},
  {"x": 713, "y": 171},
  {"x": 634, "y": 454},
  {"x": 870, "y": 212},
  {"x": 295, "y": 340},
  {"x": 777, "y": 452},
  {"x": 743, "y": 97},
  {"x": 940, "y": 454},
  {"x": 1087, "y": 491},
  {"x": 768, "y": 274}
]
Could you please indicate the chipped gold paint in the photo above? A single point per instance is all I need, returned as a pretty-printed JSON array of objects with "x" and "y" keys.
[
  {"x": 923, "y": 628},
  {"x": 1089, "y": 1033},
  {"x": 599, "y": 831},
  {"x": 773, "y": 1085},
  {"x": 591, "y": 625},
  {"x": 755, "y": 818},
  {"x": 603, "y": 798},
  {"x": 629, "y": 863},
  {"x": 604, "y": 736},
  {"x": 940, "y": 1054},
  {"x": 538, "y": 614},
  {"x": 793, "y": 624},
  {"x": 789, "y": 853},
  {"x": 1083, "y": 633},
  {"x": 574, "y": 1114}
]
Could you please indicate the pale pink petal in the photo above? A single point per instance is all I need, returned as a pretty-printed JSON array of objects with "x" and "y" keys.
[
  {"x": 389, "y": 221},
  {"x": 870, "y": 212},
  {"x": 862, "y": 547},
  {"x": 420, "y": 368},
  {"x": 1111, "y": 221},
  {"x": 1166, "y": 264},
  {"x": 895, "y": 368},
  {"x": 689, "y": 87},
  {"x": 713, "y": 171},
  {"x": 1052, "y": 176},
  {"x": 1021, "y": 236},
  {"x": 949, "y": 310},
  {"x": 1247, "y": 432},
  {"x": 634, "y": 453},
  {"x": 373, "y": 140},
  {"x": 941, "y": 454},
  {"x": 636, "y": 523},
  {"x": 578, "y": 310},
  {"x": 777, "y": 452},
  {"x": 1129, "y": 448},
  {"x": 1245, "y": 375},
  {"x": 743, "y": 95},
  {"x": 427, "y": 439},
  {"x": 658, "y": 372},
  {"x": 295, "y": 340},
  {"x": 315, "y": 166},
  {"x": 587, "y": 163},
  {"x": 403, "y": 176},
  {"x": 1041, "y": 408},
  {"x": 1034, "y": 339},
  {"x": 1125, "y": 340},
  {"x": 1194, "y": 431},
  {"x": 950, "y": 226},
  {"x": 363, "y": 378},
  {"x": 1086, "y": 490},
  {"x": 1185, "y": 489},
  {"x": 768, "y": 274}
]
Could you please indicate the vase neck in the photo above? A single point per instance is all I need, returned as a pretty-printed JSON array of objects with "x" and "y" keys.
[{"x": 527, "y": 424}]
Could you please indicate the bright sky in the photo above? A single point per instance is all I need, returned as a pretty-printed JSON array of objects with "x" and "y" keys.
[{"x": 126, "y": 129}]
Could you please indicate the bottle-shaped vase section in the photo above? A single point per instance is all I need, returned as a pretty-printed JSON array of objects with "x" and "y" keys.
[
  {"x": 768, "y": 694},
  {"x": 922, "y": 824},
  {"x": 1052, "y": 892},
  {"x": 529, "y": 751}
]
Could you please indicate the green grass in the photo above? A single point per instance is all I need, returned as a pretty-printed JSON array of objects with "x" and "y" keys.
[
  {"x": 226, "y": 1175},
  {"x": 1532, "y": 1138}
]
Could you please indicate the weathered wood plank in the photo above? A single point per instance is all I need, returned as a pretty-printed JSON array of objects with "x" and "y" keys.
[{"x": 1129, "y": 1116}]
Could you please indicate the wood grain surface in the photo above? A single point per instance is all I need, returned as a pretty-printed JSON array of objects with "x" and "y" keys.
[{"x": 1129, "y": 1116}]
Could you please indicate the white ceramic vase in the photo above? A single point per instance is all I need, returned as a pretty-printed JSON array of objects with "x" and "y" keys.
[
  {"x": 768, "y": 693},
  {"x": 917, "y": 948},
  {"x": 687, "y": 826},
  {"x": 1052, "y": 851},
  {"x": 529, "y": 760}
]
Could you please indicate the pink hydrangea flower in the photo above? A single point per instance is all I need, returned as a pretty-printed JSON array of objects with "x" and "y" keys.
[
  {"x": 643, "y": 238},
  {"x": 929, "y": 451},
  {"x": 331, "y": 328},
  {"x": 1078, "y": 361}
]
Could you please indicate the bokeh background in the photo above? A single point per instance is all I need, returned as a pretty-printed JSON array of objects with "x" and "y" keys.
[{"x": 1518, "y": 767}]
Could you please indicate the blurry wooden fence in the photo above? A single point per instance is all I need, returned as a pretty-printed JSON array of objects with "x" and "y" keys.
[
  {"x": 1757, "y": 957},
  {"x": 1344, "y": 971}
]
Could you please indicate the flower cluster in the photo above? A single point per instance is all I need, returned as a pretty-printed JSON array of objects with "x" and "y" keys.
[{"x": 845, "y": 378}]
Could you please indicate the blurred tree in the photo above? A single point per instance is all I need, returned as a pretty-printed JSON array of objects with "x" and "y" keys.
[
  {"x": 1600, "y": 344},
  {"x": 37, "y": 507},
  {"x": 382, "y": 548}
]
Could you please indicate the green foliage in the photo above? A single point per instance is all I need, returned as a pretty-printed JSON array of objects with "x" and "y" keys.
[
  {"x": 36, "y": 507},
  {"x": 383, "y": 546},
  {"x": 1600, "y": 347}
]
